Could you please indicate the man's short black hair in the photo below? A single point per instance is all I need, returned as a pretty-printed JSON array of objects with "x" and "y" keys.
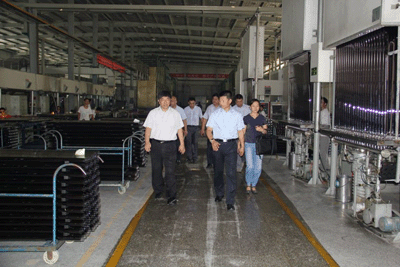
[
  {"x": 215, "y": 95},
  {"x": 226, "y": 93},
  {"x": 325, "y": 100},
  {"x": 87, "y": 99},
  {"x": 191, "y": 99},
  {"x": 238, "y": 96},
  {"x": 2, "y": 108},
  {"x": 164, "y": 93}
]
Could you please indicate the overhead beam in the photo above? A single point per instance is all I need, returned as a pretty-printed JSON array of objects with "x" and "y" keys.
[
  {"x": 166, "y": 59},
  {"x": 89, "y": 36},
  {"x": 152, "y": 8},
  {"x": 191, "y": 52},
  {"x": 105, "y": 24},
  {"x": 160, "y": 54},
  {"x": 162, "y": 44}
]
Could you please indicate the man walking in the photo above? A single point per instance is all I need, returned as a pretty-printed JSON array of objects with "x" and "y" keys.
[
  {"x": 162, "y": 125},
  {"x": 244, "y": 110},
  {"x": 193, "y": 114},
  {"x": 224, "y": 128},
  {"x": 210, "y": 109},
  {"x": 174, "y": 105}
]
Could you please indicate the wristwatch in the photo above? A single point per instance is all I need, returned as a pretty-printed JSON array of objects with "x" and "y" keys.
[{"x": 212, "y": 139}]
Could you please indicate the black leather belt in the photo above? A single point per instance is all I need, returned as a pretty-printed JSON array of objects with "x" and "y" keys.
[
  {"x": 163, "y": 142},
  {"x": 225, "y": 140},
  {"x": 193, "y": 125}
]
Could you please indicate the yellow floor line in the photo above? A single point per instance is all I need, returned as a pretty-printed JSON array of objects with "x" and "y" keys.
[
  {"x": 98, "y": 240},
  {"x": 115, "y": 257},
  {"x": 327, "y": 257}
]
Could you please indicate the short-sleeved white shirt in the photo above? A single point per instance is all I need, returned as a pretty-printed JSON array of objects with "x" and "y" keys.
[
  {"x": 164, "y": 125},
  {"x": 244, "y": 109},
  {"x": 85, "y": 113},
  {"x": 193, "y": 115},
  {"x": 210, "y": 109},
  {"x": 325, "y": 118},
  {"x": 225, "y": 125},
  {"x": 181, "y": 112}
]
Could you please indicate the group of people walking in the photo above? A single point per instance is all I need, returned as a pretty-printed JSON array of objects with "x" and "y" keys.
[{"x": 231, "y": 133}]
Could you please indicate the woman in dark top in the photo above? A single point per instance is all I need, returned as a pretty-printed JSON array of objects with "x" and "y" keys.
[{"x": 255, "y": 126}]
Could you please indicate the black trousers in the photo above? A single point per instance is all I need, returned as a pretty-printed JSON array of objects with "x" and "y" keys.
[
  {"x": 178, "y": 143},
  {"x": 210, "y": 154},
  {"x": 163, "y": 154},
  {"x": 226, "y": 157},
  {"x": 192, "y": 142}
]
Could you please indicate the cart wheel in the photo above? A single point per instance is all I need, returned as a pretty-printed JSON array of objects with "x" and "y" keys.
[
  {"x": 127, "y": 184},
  {"x": 121, "y": 190},
  {"x": 51, "y": 257}
]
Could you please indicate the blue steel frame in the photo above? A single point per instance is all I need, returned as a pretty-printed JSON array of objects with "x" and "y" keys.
[
  {"x": 54, "y": 244},
  {"x": 113, "y": 151}
]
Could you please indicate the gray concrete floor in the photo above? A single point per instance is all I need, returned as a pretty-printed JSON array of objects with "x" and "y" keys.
[
  {"x": 199, "y": 232},
  {"x": 348, "y": 242}
]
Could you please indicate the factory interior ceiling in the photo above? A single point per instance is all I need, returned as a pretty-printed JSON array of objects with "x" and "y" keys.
[{"x": 156, "y": 31}]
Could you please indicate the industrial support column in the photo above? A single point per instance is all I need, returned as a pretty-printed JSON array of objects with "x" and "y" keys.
[
  {"x": 95, "y": 44},
  {"x": 317, "y": 105},
  {"x": 111, "y": 39},
  {"x": 42, "y": 56},
  {"x": 124, "y": 93},
  {"x": 397, "y": 180},
  {"x": 33, "y": 53},
  {"x": 398, "y": 87},
  {"x": 256, "y": 53},
  {"x": 33, "y": 43},
  {"x": 131, "y": 79},
  {"x": 71, "y": 27}
]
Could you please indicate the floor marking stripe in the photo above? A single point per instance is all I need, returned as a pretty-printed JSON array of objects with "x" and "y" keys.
[
  {"x": 119, "y": 250},
  {"x": 325, "y": 255},
  {"x": 99, "y": 239}
]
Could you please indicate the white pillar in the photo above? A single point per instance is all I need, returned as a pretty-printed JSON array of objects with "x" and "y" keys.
[{"x": 334, "y": 156}]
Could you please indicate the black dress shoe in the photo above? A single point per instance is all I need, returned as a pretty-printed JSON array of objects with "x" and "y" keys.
[
  {"x": 218, "y": 198},
  {"x": 172, "y": 201},
  {"x": 230, "y": 207},
  {"x": 209, "y": 166},
  {"x": 158, "y": 195}
]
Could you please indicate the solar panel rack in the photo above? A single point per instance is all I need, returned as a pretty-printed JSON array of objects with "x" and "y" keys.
[
  {"x": 51, "y": 254},
  {"x": 125, "y": 150}
]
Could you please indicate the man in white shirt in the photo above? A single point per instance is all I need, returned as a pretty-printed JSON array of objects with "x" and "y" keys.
[
  {"x": 85, "y": 112},
  {"x": 162, "y": 125},
  {"x": 240, "y": 106},
  {"x": 244, "y": 110},
  {"x": 325, "y": 116},
  {"x": 194, "y": 115},
  {"x": 210, "y": 109},
  {"x": 324, "y": 121},
  {"x": 174, "y": 105}
]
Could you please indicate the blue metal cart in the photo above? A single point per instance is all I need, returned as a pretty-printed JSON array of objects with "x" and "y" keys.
[{"x": 50, "y": 255}]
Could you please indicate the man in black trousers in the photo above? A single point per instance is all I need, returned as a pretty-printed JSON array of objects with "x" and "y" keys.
[
  {"x": 162, "y": 125},
  {"x": 224, "y": 128}
]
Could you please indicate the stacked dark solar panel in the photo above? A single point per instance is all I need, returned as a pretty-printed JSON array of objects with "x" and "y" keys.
[
  {"x": 31, "y": 172},
  {"x": 9, "y": 135},
  {"x": 107, "y": 136},
  {"x": 24, "y": 133}
]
